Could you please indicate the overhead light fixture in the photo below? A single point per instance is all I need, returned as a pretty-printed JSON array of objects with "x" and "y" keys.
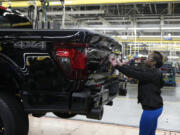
[
  {"x": 146, "y": 28},
  {"x": 171, "y": 28}
]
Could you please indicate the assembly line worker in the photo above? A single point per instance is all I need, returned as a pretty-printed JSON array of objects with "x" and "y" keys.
[{"x": 149, "y": 93}]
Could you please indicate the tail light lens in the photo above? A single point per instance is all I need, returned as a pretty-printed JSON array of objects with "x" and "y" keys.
[
  {"x": 62, "y": 52},
  {"x": 72, "y": 60},
  {"x": 3, "y": 8}
]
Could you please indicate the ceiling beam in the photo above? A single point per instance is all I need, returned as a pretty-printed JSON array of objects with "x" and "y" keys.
[
  {"x": 80, "y": 2},
  {"x": 105, "y": 22},
  {"x": 82, "y": 24},
  {"x": 86, "y": 12}
]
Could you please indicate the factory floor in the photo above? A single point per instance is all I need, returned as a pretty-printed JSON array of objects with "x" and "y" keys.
[
  {"x": 122, "y": 118},
  {"x": 54, "y": 126}
]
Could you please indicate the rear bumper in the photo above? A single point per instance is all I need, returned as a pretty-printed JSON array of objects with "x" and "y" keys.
[
  {"x": 91, "y": 105},
  {"x": 87, "y": 102}
]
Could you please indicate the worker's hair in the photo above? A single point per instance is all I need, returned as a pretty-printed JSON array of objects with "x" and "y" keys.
[{"x": 158, "y": 57}]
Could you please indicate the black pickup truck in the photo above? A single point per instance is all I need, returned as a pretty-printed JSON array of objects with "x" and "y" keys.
[{"x": 61, "y": 71}]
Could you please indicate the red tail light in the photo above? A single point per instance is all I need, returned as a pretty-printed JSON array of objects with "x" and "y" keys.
[
  {"x": 77, "y": 58},
  {"x": 62, "y": 52},
  {"x": 3, "y": 8},
  {"x": 72, "y": 59}
]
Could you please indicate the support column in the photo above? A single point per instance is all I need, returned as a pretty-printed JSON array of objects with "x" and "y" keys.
[
  {"x": 35, "y": 16},
  {"x": 161, "y": 25},
  {"x": 135, "y": 35},
  {"x": 169, "y": 8},
  {"x": 64, "y": 13},
  {"x": 44, "y": 16}
]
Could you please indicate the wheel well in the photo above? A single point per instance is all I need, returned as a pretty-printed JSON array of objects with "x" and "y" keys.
[
  {"x": 8, "y": 79},
  {"x": 9, "y": 85}
]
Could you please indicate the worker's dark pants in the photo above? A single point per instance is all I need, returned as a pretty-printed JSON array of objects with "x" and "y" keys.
[{"x": 148, "y": 123}]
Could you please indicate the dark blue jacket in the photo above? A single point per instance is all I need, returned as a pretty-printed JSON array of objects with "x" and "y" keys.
[{"x": 149, "y": 86}]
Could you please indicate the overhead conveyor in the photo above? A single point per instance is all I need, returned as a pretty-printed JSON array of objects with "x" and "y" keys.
[{"x": 23, "y": 3}]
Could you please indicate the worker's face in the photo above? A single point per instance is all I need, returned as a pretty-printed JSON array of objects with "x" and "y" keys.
[{"x": 150, "y": 61}]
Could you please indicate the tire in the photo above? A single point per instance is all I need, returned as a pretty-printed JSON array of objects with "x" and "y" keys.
[
  {"x": 113, "y": 89},
  {"x": 38, "y": 115},
  {"x": 122, "y": 92},
  {"x": 20, "y": 107},
  {"x": 14, "y": 121},
  {"x": 64, "y": 115}
]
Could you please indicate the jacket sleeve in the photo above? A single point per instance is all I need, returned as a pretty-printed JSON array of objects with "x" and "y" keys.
[
  {"x": 162, "y": 83},
  {"x": 138, "y": 74}
]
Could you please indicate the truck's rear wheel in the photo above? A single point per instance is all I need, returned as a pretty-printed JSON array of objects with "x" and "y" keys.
[
  {"x": 13, "y": 120},
  {"x": 64, "y": 115}
]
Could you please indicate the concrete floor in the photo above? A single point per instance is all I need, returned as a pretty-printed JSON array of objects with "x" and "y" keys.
[
  {"x": 124, "y": 112},
  {"x": 54, "y": 126}
]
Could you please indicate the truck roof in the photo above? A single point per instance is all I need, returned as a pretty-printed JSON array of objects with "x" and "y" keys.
[{"x": 65, "y": 35}]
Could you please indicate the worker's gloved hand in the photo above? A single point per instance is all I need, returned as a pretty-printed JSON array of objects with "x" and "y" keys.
[
  {"x": 118, "y": 61},
  {"x": 112, "y": 59}
]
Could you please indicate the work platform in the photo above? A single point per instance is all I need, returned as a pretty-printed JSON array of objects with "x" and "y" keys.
[{"x": 56, "y": 126}]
